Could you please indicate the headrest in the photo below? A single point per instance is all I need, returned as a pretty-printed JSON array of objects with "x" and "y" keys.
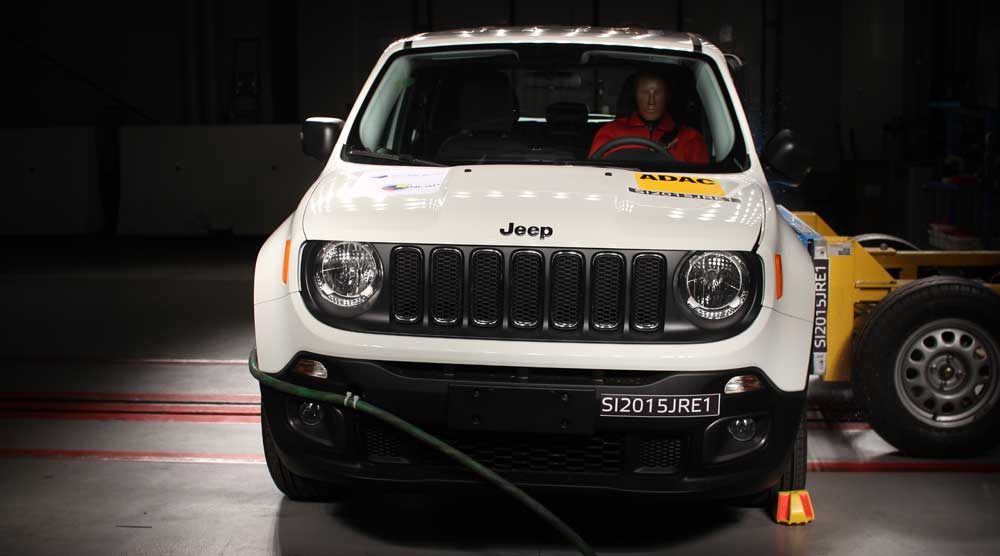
[
  {"x": 566, "y": 113},
  {"x": 486, "y": 103}
]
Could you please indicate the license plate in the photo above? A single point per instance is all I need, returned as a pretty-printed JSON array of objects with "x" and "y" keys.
[
  {"x": 512, "y": 409},
  {"x": 624, "y": 405}
]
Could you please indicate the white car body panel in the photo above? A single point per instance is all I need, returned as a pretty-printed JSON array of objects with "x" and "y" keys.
[
  {"x": 584, "y": 206},
  {"x": 288, "y": 326},
  {"x": 267, "y": 284}
]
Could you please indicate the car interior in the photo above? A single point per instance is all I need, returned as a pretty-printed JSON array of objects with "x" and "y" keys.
[{"x": 517, "y": 115}]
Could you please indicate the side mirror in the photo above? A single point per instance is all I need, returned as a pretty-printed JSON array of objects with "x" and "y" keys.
[
  {"x": 785, "y": 156},
  {"x": 319, "y": 135},
  {"x": 734, "y": 62}
]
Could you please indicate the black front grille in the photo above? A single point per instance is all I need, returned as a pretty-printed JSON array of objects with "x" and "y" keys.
[
  {"x": 567, "y": 290},
  {"x": 607, "y": 291},
  {"x": 561, "y": 291},
  {"x": 407, "y": 267},
  {"x": 527, "y": 289},
  {"x": 532, "y": 294},
  {"x": 486, "y": 288},
  {"x": 447, "y": 283},
  {"x": 649, "y": 294},
  {"x": 537, "y": 453}
]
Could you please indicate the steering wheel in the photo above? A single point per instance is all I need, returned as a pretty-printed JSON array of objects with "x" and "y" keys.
[{"x": 659, "y": 148}]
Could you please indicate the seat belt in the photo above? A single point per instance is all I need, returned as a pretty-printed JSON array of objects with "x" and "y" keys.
[{"x": 670, "y": 136}]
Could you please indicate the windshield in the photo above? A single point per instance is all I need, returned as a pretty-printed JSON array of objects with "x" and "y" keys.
[{"x": 550, "y": 104}]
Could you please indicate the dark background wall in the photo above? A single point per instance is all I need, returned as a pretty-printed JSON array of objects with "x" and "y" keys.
[{"x": 871, "y": 86}]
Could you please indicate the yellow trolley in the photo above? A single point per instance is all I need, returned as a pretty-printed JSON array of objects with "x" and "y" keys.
[{"x": 914, "y": 331}]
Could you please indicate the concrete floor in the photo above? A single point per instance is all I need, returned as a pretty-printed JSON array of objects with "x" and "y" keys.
[{"x": 129, "y": 426}]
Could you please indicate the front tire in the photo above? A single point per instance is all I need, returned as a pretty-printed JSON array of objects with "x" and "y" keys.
[
  {"x": 794, "y": 477},
  {"x": 926, "y": 365},
  {"x": 296, "y": 487}
]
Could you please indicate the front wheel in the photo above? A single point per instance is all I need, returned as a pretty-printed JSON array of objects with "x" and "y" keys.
[
  {"x": 926, "y": 365},
  {"x": 794, "y": 476},
  {"x": 296, "y": 487}
]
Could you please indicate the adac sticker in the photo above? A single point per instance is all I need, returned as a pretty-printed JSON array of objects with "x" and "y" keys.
[{"x": 687, "y": 187}]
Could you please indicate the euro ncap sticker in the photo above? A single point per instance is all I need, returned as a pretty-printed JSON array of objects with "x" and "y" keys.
[
  {"x": 403, "y": 182},
  {"x": 685, "y": 187}
]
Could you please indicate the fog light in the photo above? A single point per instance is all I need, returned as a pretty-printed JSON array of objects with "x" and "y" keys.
[
  {"x": 311, "y": 368},
  {"x": 743, "y": 383},
  {"x": 310, "y": 413},
  {"x": 743, "y": 429}
]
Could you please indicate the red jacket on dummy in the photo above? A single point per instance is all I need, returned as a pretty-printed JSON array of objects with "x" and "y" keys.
[{"x": 688, "y": 146}]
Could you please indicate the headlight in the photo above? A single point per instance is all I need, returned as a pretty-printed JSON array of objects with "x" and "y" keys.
[
  {"x": 714, "y": 285},
  {"x": 348, "y": 275}
]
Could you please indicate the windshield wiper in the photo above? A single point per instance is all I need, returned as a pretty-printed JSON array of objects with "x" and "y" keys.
[
  {"x": 598, "y": 163},
  {"x": 400, "y": 158}
]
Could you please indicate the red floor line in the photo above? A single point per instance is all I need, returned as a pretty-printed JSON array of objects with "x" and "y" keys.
[
  {"x": 177, "y": 361},
  {"x": 189, "y": 457},
  {"x": 146, "y": 417},
  {"x": 60, "y": 404},
  {"x": 129, "y": 360},
  {"x": 104, "y": 407},
  {"x": 196, "y": 414},
  {"x": 905, "y": 466},
  {"x": 134, "y": 397},
  {"x": 144, "y": 457}
]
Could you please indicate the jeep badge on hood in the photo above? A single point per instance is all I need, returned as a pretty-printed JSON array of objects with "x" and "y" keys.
[{"x": 541, "y": 232}]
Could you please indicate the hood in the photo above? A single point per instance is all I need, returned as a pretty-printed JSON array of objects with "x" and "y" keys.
[{"x": 547, "y": 206}]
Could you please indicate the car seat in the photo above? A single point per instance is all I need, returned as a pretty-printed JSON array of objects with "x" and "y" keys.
[
  {"x": 487, "y": 111},
  {"x": 566, "y": 127}
]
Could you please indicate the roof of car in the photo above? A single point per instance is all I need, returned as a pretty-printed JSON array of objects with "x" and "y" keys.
[{"x": 612, "y": 36}]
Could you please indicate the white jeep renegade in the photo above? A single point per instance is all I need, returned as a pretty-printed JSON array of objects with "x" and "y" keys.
[{"x": 568, "y": 313}]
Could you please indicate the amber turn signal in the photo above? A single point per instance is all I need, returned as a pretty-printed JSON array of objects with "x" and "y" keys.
[
  {"x": 284, "y": 268},
  {"x": 777, "y": 276}
]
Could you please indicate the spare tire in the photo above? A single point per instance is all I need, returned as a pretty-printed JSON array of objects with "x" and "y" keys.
[{"x": 926, "y": 367}]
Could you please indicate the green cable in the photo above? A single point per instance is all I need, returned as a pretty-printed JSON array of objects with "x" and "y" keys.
[{"x": 355, "y": 402}]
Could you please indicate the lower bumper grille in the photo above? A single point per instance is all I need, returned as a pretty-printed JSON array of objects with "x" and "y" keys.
[
  {"x": 501, "y": 451},
  {"x": 523, "y": 452},
  {"x": 660, "y": 454}
]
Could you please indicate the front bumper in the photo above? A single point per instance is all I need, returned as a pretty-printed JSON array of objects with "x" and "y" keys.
[
  {"x": 567, "y": 446},
  {"x": 776, "y": 343}
]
